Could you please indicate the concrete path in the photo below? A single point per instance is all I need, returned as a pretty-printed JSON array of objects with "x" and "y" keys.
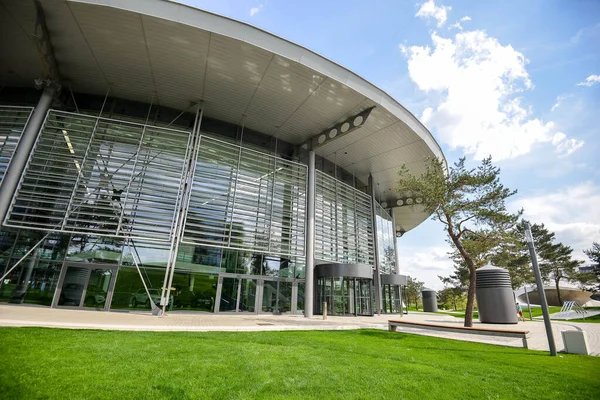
[{"x": 21, "y": 315}]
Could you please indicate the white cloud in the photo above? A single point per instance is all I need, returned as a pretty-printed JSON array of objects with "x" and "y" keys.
[
  {"x": 590, "y": 81},
  {"x": 571, "y": 212},
  {"x": 425, "y": 264},
  {"x": 479, "y": 80},
  {"x": 457, "y": 24},
  {"x": 564, "y": 146},
  {"x": 559, "y": 101},
  {"x": 589, "y": 32},
  {"x": 430, "y": 10},
  {"x": 255, "y": 10}
]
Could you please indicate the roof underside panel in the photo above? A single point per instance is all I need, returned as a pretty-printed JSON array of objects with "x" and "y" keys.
[
  {"x": 19, "y": 60},
  {"x": 284, "y": 88},
  {"x": 116, "y": 39},
  {"x": 178, "y": 56}
]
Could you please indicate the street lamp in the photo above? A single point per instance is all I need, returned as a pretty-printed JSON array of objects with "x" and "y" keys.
[{"x": 540, "y": 286}]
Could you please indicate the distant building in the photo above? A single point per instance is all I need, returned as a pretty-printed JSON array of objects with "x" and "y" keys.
[{"x": 587, "y": 268}]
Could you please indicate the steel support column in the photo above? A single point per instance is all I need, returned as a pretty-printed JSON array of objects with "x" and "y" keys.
[
  {"x": 183, "y": 204},
  {"x": 26, "y": 143},
  {"x": 397, "y": 254},
  {"x": 396, "y": 251},
  {"x": 310, "y": 237},
  {"x": 377, "y": 277}
]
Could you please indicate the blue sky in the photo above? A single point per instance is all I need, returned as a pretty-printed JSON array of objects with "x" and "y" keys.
[{"x": 516, "y": 79}]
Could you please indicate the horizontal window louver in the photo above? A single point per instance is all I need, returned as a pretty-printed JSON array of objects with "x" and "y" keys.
[
  {"x": 343, "y": 222},
  {"x": 12, "y": 123},
  {"x": 99, "y": 176},
  {"x": 247, "y": 200}
]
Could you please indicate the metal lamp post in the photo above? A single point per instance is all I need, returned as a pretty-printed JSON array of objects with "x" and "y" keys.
[{"x": 540, "y": 286}]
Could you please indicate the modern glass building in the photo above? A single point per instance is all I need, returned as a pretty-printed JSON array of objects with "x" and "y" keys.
[{"x": 157, "y": 156}]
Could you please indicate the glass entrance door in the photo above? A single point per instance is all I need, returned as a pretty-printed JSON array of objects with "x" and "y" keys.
[
  {"x": 276, "y": 296},
  {"x": 344, "y": 296},
  {"x": 85, "y": 286},
  {"x": 247, "y": 297},
  {"x": 98, "y": 285},
  {"x": 237, "y": 294},
  {"x": 392, "y": 302}
]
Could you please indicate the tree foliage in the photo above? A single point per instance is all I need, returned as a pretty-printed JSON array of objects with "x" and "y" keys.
[
  {"x": 470, "y": 203},
  {"x": 591, "y": 280},
  {"x": 594, "y": 254},
  {"x": 558, "y": 264},
  {"x": 456, "y": 285},
  {"x": 452, "y": 297},
  {"x": 514, "y": 253},
  {"x": 555, "y": 259},
  {"x": 413, "y": 291}
]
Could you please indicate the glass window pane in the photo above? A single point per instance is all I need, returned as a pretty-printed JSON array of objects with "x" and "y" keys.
[
  {"x": 129, "y": 290},
  {"x": 97, "y": 288},
  {"x": 229, "y": 293},
  {"x": 247, "y": 295},
  {"x": 72, "y": 287},
  {"x": 194, "y": 291}
]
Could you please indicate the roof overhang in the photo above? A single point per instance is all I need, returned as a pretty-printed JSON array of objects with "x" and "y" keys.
[{"x": 172, "y": 55}]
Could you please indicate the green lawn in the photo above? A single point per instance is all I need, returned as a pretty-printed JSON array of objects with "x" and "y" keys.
[
  {"x": 71, "y": 364},
  {"x": 535, "y": 312},
  {"x": 593, "y": 319}
]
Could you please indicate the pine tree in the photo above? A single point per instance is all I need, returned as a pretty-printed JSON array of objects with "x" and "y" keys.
[
  {"x": 470, "y": 203},
  {"x": 591, "y": 280}
]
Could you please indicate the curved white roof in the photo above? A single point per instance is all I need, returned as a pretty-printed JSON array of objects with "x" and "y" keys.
[{"x": 173, "y": 54}]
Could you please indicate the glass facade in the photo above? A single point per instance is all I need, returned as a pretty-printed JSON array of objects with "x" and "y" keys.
[
  {"x": 98, "y": 176},
  {"x": 392, "y": 300},
  {"x": 247, "y": 200},
  {"x": 35, "y": 279},
  {"x": 12, "y": 123},
  {"x": 386, "y": 237},
  {"x": 109, "y": 194},
  {"x": 343, "y": 222},
  {"x": 345, "y": 296},
  {"x": 108, "y": 191}
]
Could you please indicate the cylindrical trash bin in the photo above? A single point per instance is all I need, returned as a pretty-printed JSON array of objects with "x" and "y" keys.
[
  {"x": 429, "y": 300},
  {"x": 495, "y": 301}
]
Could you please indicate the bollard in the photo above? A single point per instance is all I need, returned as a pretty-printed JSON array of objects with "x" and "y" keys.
[{"x": 325, "y": 310}]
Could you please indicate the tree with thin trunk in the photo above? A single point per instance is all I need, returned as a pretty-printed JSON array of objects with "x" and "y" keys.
[
  {"x": 455, "y": 286},
  {"x": 558, "y": 264},
  {"x": 413, "y": 291},
  {"x": 591, "y": 280},
  {"x": 470, "y": 203},
  {"x": 513, "y": 254}
]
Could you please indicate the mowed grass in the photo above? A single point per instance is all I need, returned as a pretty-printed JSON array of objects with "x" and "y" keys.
[
  {"x": 365, "y": 364},
  {"x": 535, "y": 312}
]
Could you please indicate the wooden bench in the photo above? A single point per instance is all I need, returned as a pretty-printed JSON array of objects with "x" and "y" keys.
[{"x": 392, "y": 325}]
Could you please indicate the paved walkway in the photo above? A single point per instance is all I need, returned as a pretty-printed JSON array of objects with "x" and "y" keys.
[{"x": 20, "y": 315}]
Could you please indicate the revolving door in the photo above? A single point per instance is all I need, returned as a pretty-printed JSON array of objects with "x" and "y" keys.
[{"x": 346, "y": 288}]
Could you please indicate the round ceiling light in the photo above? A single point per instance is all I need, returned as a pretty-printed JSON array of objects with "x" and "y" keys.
[
  {"x": 409, "y": 201},
  {"x": 321, "y": 139},
  {"x": 304, "y": 146},
  {"x": 332, "y": 133},
  {"x": 419, "y": 200},
  {"x": 345, "y": 127},
  {"x": 400, "y": 202},
  {"x": 358, "y": 120},
  {"x": 384, "y": 204}
]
